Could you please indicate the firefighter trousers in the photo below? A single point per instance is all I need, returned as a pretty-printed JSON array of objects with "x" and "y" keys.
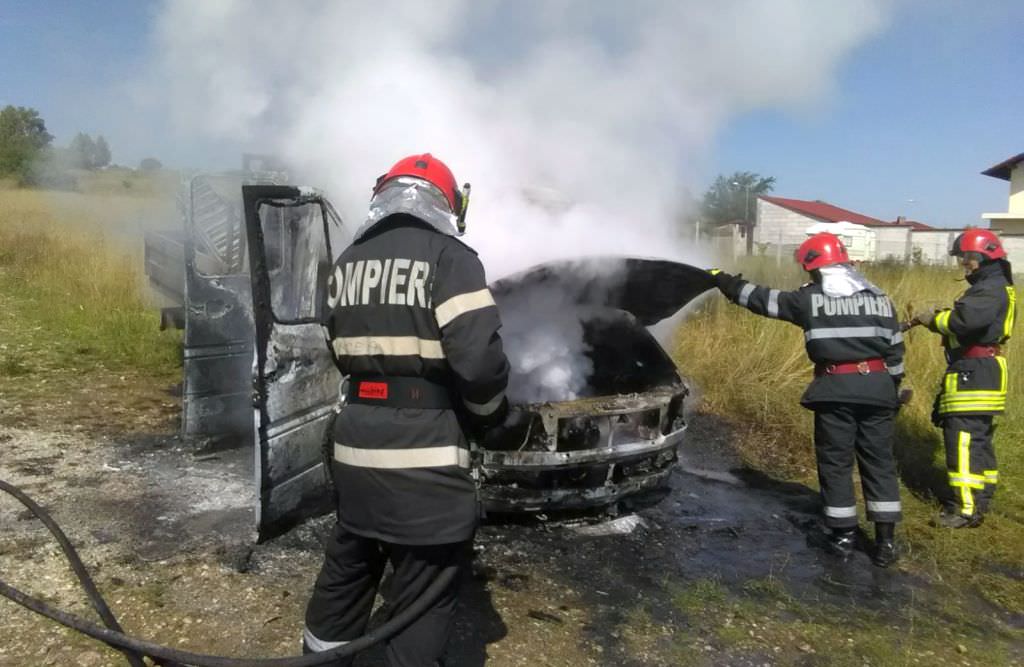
[
  {"x": 842, "y": 432},
  {"x": 971, "y": 462},
  {"x": 339, "y": 610}
]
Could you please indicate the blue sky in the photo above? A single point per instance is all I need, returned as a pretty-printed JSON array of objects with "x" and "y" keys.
[
  {"x": 919, "y": 112},
  {"x": 916, "y": 114}
]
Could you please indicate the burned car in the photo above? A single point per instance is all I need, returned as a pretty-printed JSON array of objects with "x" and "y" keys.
[{"x": 597, "y": 403}]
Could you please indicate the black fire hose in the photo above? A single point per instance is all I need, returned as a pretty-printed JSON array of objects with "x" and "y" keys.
[{"x": 133, "y": 648}]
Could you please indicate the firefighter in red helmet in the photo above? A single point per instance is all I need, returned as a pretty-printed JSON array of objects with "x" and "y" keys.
[
  {"x": 973, "y": 389},
  {"x": 414, "y": 330},
  {"x": 852, "y": 335}
]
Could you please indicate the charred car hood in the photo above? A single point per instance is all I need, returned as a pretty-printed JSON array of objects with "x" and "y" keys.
[{"x": 650, "y": 289}]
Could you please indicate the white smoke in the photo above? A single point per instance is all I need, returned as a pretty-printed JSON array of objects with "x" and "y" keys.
[{"x": 611, "y": 105}]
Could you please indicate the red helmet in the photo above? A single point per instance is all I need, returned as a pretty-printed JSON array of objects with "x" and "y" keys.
[
  {"x": 981, "y": 241},
  {"x": 430, "y": 169},
  {"x": 820, "y": 250}
]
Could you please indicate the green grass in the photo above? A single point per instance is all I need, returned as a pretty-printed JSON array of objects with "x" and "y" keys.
[
  {"x": 71, "y": 285},
  {"x": 763, "y": 619},
  {"x": 753, "y": 370}
]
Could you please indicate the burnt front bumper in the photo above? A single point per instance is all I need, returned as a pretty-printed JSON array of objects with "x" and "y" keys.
[{"x": 585, "y": 454}]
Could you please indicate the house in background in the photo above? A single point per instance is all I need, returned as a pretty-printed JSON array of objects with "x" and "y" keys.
[
  {"x": 1010, "y": 225},
  {"x": 1011, "y": 222},
  {"x": 782, "y": 224}
]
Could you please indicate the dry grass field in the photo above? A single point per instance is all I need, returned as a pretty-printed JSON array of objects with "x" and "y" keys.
[
  {"x": 78, "y": 337},
  {"x": 84, "y": 373},
  {"x": 753, "y": 370}
]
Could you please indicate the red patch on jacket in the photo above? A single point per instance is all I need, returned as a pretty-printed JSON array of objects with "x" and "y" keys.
[{"x": 377, "y": 390}]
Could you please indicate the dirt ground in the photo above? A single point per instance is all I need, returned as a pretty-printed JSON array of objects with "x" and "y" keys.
[{"x": 725, "y": 570}]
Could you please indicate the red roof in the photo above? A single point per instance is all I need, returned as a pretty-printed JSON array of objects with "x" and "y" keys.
[
  {"x": 916, "y": 226},
  {"x": 825, "y": 212}
]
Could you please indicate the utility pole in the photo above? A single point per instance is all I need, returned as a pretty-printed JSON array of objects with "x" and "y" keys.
[{"x": 748, "y": 225}]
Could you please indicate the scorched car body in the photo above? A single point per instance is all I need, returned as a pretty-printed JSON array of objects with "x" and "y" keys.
[
  {"x": 616, "y": 436},
  {"x": 613, "y": 436}
]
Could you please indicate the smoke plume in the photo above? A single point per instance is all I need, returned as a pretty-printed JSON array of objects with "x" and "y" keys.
[
  {"x": 607, "y": 104},
  {"x": 605, "y": 108}
]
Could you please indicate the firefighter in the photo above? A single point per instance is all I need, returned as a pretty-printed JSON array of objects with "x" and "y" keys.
[
  {"x": 973, "y": 389},
  {"x": 853, "y": 337},
  {"x": 414, "y": 330}
]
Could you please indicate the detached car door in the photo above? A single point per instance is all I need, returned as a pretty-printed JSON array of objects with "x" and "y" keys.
[{"x": 294, "y": 235}]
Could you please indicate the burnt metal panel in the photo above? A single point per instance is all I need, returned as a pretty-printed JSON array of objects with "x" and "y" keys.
[
  {"x": 218, "y": 340},
  {"x": 650, "y": 289},
  {"x": 539, "y": 468},
  {"x": 165, "y": 262},
  {"x": 291, "y": 237}
]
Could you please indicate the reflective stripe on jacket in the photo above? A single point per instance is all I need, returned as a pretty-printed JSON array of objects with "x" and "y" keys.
[
  {"x": 409, "y": 301},
  {"x": 983, "y": 315},
  {"x": 837, "y": 330}
]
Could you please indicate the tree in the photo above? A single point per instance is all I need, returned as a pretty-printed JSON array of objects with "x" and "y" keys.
[
  {"x": 734, "y": 198},
  {"x": 102, "y": 156},
  {"x": 82, "y": 151},
  {"x": 150, "y": 164},
  {"x": 23, "y": 137}
]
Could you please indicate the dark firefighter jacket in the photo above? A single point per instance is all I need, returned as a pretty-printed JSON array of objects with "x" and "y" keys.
[
  {"x": 836, "y": 330},
  {"x": 983, "y": 315},
  {"x": 408, "y": 301}
]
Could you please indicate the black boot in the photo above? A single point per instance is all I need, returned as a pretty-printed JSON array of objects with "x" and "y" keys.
[
  {"x": 841, "y": 542},
  {"x": 886, "y": 552}
]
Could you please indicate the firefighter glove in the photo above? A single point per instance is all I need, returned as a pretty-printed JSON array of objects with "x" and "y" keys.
[
  {"x": 924, "y": 317},
  {"x": 905, "y": 395},
  {"x": 726, "y": 282}
]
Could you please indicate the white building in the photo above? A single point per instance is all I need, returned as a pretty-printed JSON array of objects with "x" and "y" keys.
[
  {"x": 782, "y": 223},
  {"x": 860, "y": 241}
]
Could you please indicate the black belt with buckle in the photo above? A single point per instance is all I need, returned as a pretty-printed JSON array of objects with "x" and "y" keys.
[{"x": 397, "y": 392}]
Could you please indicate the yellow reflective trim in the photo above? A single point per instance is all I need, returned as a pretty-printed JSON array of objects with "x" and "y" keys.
[
  {"x": 951, "y": 383},
  {"x": 980, "y": 393},
  {"x": 1011, "y": 312},
  {"x": 964, "y": 471},
  {"x": 993, "y": 398},
  {"x": 966, "y": 501},
  {"x": 942, "y": 322},
  {"x": 959, "y": 483},
  {"x": 972, "y": 407},
  {"x": 963, "y": 461},
  {"x": 991, "y": 476},
  {"x": 963, "y": 403},
  {"x": 953, "y": 399}
]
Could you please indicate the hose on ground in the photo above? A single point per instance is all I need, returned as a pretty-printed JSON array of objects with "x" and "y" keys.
[
  {"x": 114, "y": 636},
  {"x": 88, "y": 585}
]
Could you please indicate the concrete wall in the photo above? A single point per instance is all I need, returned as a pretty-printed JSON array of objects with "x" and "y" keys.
[
  {"x": 1014, "y": 246},
  {"x": 1006, "y": 226},
  {"x": 933, "y": 246},
  {"x": 1017, "y": 191},
  {"x": 892, "y": 243},
  {"x": 779, "y": 226}
]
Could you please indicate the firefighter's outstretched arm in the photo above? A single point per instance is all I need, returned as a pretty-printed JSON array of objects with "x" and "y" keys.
[
  {"x": 967, "y": 315},
  {"x": 759, "y": 300},
  {"x": 469, "y": 324}
]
